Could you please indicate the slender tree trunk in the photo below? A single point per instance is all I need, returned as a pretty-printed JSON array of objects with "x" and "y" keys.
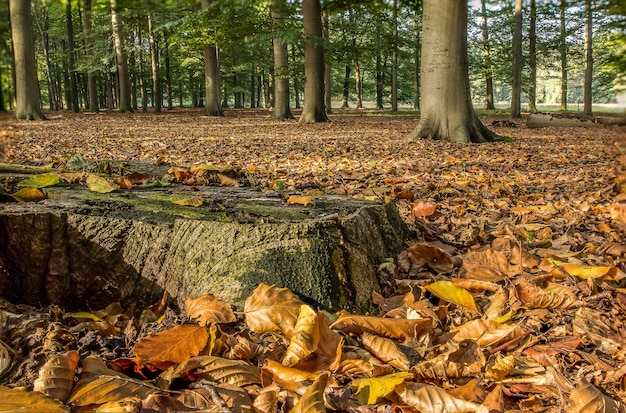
[
  {"x": 314, "y": 106},
  {"x": 26, "y": 82},
  {"x": 346, "y": 88},
  {"x": 328, "y": 91},
  {"x": 447, "y": 111},
  {"x": 253, "y": 86},
  {"x": 394, "y": 59},
  {"x": 133, "y": 81},
  {"x": 168, "y": 72},
  {"x": 262, "y": 103},
  {"x": 532, "y": 59},
  {"x": 281, "y": 64},
  {"x": 212, "y": 106},
  {"x": 45, "y": 42},
  {"x": 296, "y": 80},
  {"x": 588, "y": 96},
  {"x": 517, "y": 63},
  {"x": 487, "y": 57},
  {"x": 563, "y": 51},
  {"x": 2, "y": 107},
  {"x": 142, "y": 79},
  {"x": 379, "y": 81},
  {"x": 180, "y": 94},
  {"x": 74, "y": 106},
  {"x": 359, "y": 85},
  {"x": 416, "y": 59},
  {"x": 271, "y": 86},
  {"x": 122, "y": 60},
  {"x": 92, "y": 86},
  {"x": 157, "y": 95}
]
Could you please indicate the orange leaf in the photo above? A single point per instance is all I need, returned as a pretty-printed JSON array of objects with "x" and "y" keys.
[
  {"x": 272, "y": 309},
  {"x": 172, "y": 346},
  {"x": 423, "y": 209},
  {"x": 397, "y": 328},
  {"x": 209, "y": 309},
  {"x": 300, "y": 200}
]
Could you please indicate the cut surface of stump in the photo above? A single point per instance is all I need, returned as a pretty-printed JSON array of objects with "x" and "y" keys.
[{"x": 79, "y": 249}]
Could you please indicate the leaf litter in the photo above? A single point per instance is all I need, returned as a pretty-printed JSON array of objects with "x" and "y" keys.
[{"x": 510, "y": 297}]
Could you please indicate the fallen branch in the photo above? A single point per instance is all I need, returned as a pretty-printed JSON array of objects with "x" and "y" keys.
[
  {"x": 542, "y": 120},
  {"x": 24, "y": 169}
]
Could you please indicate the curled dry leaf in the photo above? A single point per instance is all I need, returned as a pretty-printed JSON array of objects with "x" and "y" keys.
[
  {"x": 272, "y": 309},
  {"x": 305, "y": 339},
  {"x": 127, "y": 405},
  {"x": 327, "y": 354},
  {"x": 586, "y": 398},
  {"x": 56, "y": 376},
  {"x": 486, "y": 332},
  {"x": 435, "y": 258},
  {"x": 21, "y": 400},
  {"x": 209, "y": 309},
  {"x": 397, "y": 328},
  {"x": 233, "y": 372},
  {"x": 429, "y": 398},
  {"x": 109, "y": 388},
  {"x": 29, "y": 195},
  {"x": 312, "y": 401},
  {"x": 561, "y": 269},
  {"x": 500, "y": 369},
  {"x": 172, "y": 346},
  {"x": 287, "y": 377},
  {"x": 464, "y": 359},
  {"x": 386, "y": 350},
  {"x": 266, "y": 402},
  {"x": 226, "y": 180},
  {"x": 533, "y": 296}
]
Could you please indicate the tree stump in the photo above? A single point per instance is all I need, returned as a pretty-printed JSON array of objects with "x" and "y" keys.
[
  {"x": 543, "y": 120},
  {"x": 79, "y": 249}
]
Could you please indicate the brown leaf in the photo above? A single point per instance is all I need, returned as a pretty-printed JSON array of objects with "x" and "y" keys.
[
  {"x": 429, "y": 398},
  {"x": 386, "y": 350},
  {"x": 56, "y": 376},
  {"x": 586, "y": 398},
  {"x": 487, "y": 265},
  {"x": 123, "y": 183},
  {"x": 306, "y": 337},
  {"x": 272, "y": 309},
  {"x": 312, "y": 401},
  {"x": 300, "y": 200},
  {"x": 226, "y": 180},
  {"x": 172, "y": 346},
  {"x": 401, "y": 329},
  {"x": 423, "y": 209},
  {"x": 435, "y": 258},
  {"x": 209, "y": 309},
  {"x": 21, "y": 400}
]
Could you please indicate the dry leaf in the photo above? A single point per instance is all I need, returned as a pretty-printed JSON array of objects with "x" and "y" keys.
[
  {"x": 20, "y": 400},
  {"x": 227, "y": 180},
  {"x": 386, "y": 350},
  {"x": 29, "y": 195},
  {"x": 272, "y": 309},
  {"x": 312, "y": 401},
  {"x": 300, "y": 200},
  {"x": 103, "y": 389},
  {"x": 447, "y": 291},
  {"x": 432, "y": 399},
  {"x": 397, "y": 328},
  {"x": 306, "y": 337},
  {"x": 98, "y": 184},
  {"x": 486, "y": 332},
  {"x": 123, "y": 183},
  {"x": 586, "y": 398},
  {"x": 192, "y": 201},
  {"x": 56, "y": 376},
  {"x": 435, "y": 258},
  {"x": 423, "y": 209},
  {"x": 172, "y": 346},
  {"x": 487, "y": 265},
  {"x": 370, "y": 390},
  {"x": 127, "y": 405},
  {"x": 209, "y": 309}
]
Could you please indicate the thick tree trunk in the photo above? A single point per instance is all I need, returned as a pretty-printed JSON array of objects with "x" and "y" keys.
[
  {"x": 563, "y": 52},
  {"x": 123, "y": 103},
  {"x": 296, "y": 80},
  {"x": 487, "y": 58},
  {"x": 544, "y": 120},
  {"x": 26, "y": 82},
  {"x": 532, "y": 59},
  {"x": 92, "y": 86},
  {"x": 71, "y": 65},
  {"x": 281, "y": 64},
  {"x": 117, "y": 251},
  {"x": 157, "y": 95},
  {"x": 447, "y": 111},
  {"x": 516, "y": 92},
  {"x": 212, "y": 104},
  {"x": 314, "y": 107},
  {"x": 588, "y": 94}
]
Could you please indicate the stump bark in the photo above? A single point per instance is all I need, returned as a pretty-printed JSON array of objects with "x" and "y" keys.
[
  {"x": 543, "y": 120},
  {"x": 79, "y": 249}
]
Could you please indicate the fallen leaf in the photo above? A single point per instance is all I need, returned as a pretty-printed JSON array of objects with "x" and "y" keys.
[
  {"x": 429, "y": 398},
  {"x": 192, "y": 201},
  {"x": 56, "y": 376},
  {"x": 21, "y": 400},
  {"x": 300, "y": 200},
  {"x": 29, "y": 195},
  {"x": 209, "y": 309},
  {"x": 98, "y": 184},
  {"x": 172, "y": 346},
  {"x": 446, "y": 290},
  {"x": 40, "y": 181},
  {"x": 272, "y": 309},
  {"x": 370, "y": 390}
]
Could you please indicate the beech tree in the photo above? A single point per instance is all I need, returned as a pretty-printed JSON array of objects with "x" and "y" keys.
[
  {"x": 447, "y": 111},
  {"x": 122, "y": 60},
  {"x": 281, "y": 59},
  {"x": 27, "y": 101},
  {"x": 314, "y": 109}
]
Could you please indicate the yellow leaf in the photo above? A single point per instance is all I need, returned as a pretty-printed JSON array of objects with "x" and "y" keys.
[
  {"x": 227, "y": 180},
  {"x": 305, "y": 339},
  {"x": 287, "y": 377},
  {"x": 83, "y": 314},
  {"x": 369, "y": 390},
  {"x": 56, "y": 376},
  {"x": 500, "y": 369},
  {"x": 561, "y": 269},
  {"x": 127, "y": 405},
  {"x": 272, "y": 309},
  {"x": 312, "y": 401},
  {"x": 40, "y": 181},
  {"x": 447, "y": 291},
  {"x": 432, "y": 399},
  {"x": 300, "y": 200},
  {"x": 192, "y": 201},
  {"x": 209, "y": 309},
  {"x": 29, "y": 195},
  {"x": 98, "y": 184},
  {"x": 20, "y": 400},
  {"x": 172, "y": 346}
]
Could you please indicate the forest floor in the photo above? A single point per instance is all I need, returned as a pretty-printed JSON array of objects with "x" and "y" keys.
[{"x": 518, "y": 263}]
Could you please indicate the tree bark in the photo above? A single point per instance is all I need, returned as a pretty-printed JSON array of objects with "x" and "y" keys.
[
  {"x": 328, "y": 90},
  {"x": 212, "y": 104},
  {"x": 314, "y": 107},
  {"x": 416, "y": 58},
  {"x": 588, "y": 95},
  {"x": 487, "y": 58},
  {"x": 45, "y": 43},
  {"x": 532, "y": 59},
  {"x": 123, "y": 101},
  {"x": 2, "y": 107},
  {"x": 379, "y": 81},
  {"x": 563, "y": 51},
  {"x": 92, "y": 86},
  {"x": 346, "y": 88},
  {"x": 516, "y": 93},
  {"x": 71, "y": 64},
  {"x": 281, "y": 64},
  {"x": 394, "y": 58},
  {"x": 359, "y": 85},
  {"x": 168, "y": 73},
  {"x": 26, "y": 83},
  {"x": 157, "y": 95},
  {"x": 447, "y": 111}
]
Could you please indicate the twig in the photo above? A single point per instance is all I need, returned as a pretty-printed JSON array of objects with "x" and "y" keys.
[
  {"x": 24, "y": 169},
  {"x": 215, "y": 397}
]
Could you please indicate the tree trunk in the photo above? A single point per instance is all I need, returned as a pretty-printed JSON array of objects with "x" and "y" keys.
[
  {"x": 71, "y": 65},
  {"x": 133, "y": 81},
  {"x": 359, "y": 85},
  {"x": 142, "y": 79},
  {"x": 92, "y": 86},
  {"x": 379, "y": 81},
  {"x": 212, "y": 104},
  {"x": 157, "y": 96},
  {"x": 168, "y": 73},
  {"x": 122, "y": 60},
  {"x": 346, "y": 88},
  {"x": 45, "y": 43},
  {"x": 253, "y": 86},
  {"x": 516, "y": 92},
  {"x": 394, "y": 58},
  {"x": 26, "y": 83},
  {"x": 416, "y": 59},
  {"x": 328, "y": 90},
  {"x": 563, "y": 51},
  {"x": 447, "y": 111},
  {"x": 296, "y": 80},
  {"x": 588, "y": 96},
  {"x": 487, "y": 57},
  {"x": 314, "y": 107},
  {"x": 2, "y": 107},
  {"x": 281, "y": 64},
  {"x": 532, "y": 59}
]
